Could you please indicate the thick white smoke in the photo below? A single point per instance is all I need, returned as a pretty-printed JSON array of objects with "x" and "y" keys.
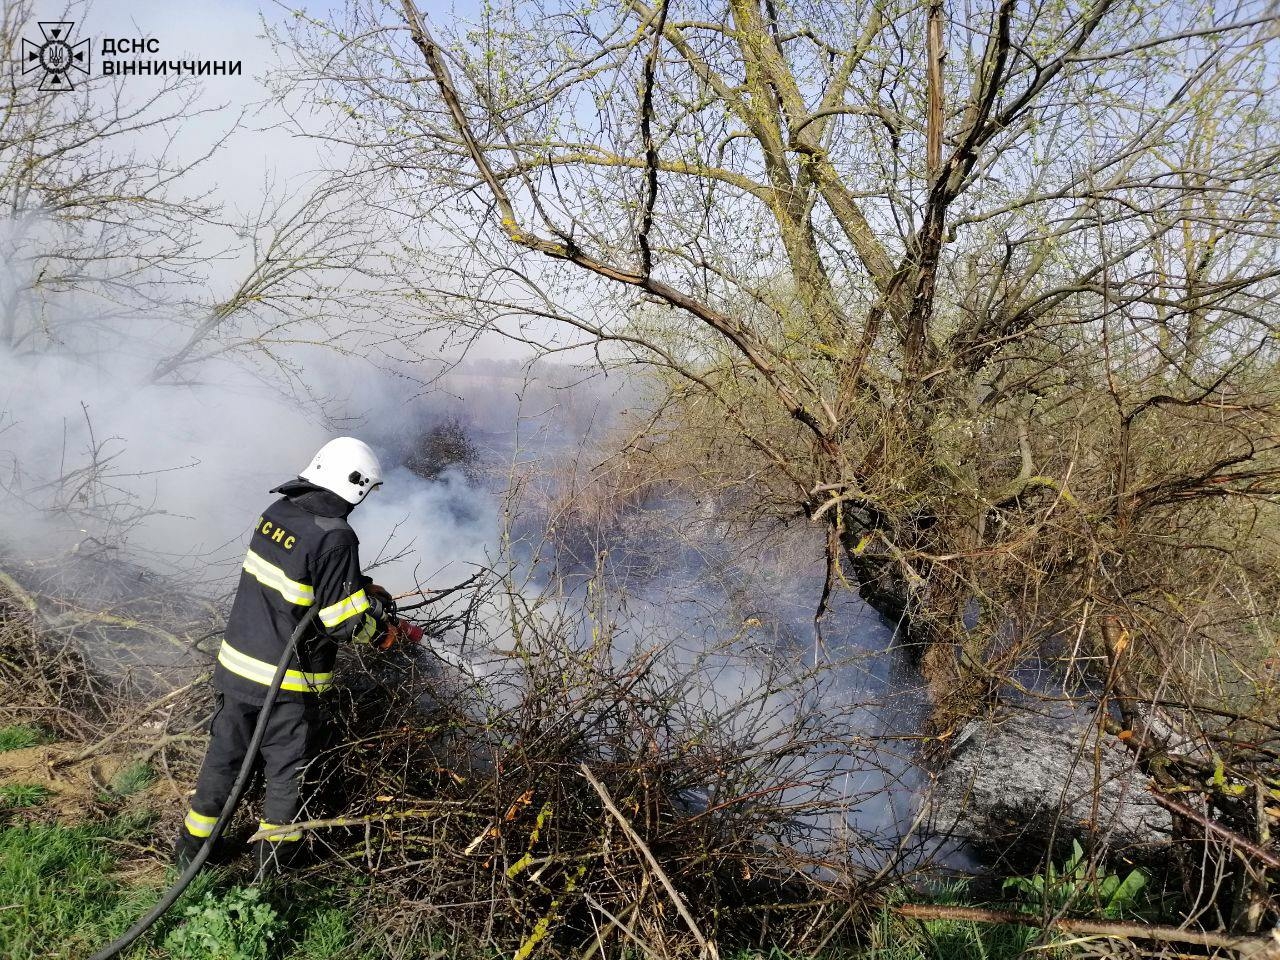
[{"x": 94, "y": 455}]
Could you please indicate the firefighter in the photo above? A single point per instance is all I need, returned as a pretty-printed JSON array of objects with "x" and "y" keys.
[{"x": 302, "y": 552}]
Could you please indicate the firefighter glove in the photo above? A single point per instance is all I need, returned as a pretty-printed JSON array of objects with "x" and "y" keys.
[{"x": 381, "y": 604}]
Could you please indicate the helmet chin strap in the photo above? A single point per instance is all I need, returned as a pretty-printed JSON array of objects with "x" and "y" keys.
[{"x": 364, "y": 495}]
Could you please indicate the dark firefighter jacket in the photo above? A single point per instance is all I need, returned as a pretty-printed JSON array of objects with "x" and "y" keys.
[{"x": 302, "y": 553}]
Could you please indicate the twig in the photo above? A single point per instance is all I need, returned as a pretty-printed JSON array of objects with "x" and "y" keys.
[
  {"x": 1233, "y": 838},
  {"x": 419, "y": 812},
  {"x": 437, "y": 595},
  {"x": 708, "y": 948},
  {"x": 626, "y": 928},
  {"x": 146, "y": 755},
  {"x": 1102, "y": 928}
]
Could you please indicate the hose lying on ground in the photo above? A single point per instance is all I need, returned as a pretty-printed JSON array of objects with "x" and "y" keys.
[{"x": 242, "y": 779}]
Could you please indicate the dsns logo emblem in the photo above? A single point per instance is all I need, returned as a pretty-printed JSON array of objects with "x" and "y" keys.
[{"x": 57, "y": 56}]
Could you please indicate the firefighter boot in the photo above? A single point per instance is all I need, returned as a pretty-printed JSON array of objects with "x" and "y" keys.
[
  {"x": 276, "y": 857},
  {"x": 185, "y": 848}
]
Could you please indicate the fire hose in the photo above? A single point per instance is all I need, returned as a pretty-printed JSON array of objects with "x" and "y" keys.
[
  {"x": 410, "y": 632},
  {"x": 242, "y": 779}
]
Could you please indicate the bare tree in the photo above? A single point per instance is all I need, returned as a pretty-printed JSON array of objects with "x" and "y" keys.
[
  {"x": 988, "y": 292},
  {"x": 316, "y": 267},
  {"x": 102, "y": 234},
  {"x": 113, "y": 257},
  {"x": 945, "y": 342},
  {"x": 86, "y": 214}
]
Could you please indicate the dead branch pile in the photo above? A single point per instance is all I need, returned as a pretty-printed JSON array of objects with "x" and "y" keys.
[
  {"x": 582, "y": 794},
  {"x": 39, "y": 682}
]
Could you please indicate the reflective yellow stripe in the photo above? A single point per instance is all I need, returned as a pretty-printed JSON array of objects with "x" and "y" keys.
[
  {"x": 259, "y": 671},
  {"x": 344, "y": 609},
  {"x": 278, "y": 837},
  {"x": 198, "y": 825},
  {"x": 269, "y": 575},
  {"x": 368, "y": 628}
]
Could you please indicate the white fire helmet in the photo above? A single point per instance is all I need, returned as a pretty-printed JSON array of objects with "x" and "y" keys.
[{"x": 346, "y": 466}]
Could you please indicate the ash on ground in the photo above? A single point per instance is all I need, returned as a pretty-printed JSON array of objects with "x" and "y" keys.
[{"x": 1027, "y": 783}]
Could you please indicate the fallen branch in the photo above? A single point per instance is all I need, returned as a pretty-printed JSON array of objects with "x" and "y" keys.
[
  {"x": 77, "y": 616},
  {"x": 1256, "y": 947},
  {"x": 18, "y": 593},
  {"x": 145, "y": 755},
  {"x": 420, "y": 811},
  {"x": 708, "y": 948}
]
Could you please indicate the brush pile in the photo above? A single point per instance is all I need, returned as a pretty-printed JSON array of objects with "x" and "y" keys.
[
  {"x": 533, "y": 778},
  {"x": 537, "y": 778},
  {"x": 105, "y": 660},
  {"x": 578, "y": 793}
]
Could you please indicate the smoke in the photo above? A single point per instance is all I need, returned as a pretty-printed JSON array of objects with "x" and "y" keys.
[
  {"x": 96, "y": 458},
  {"x": 698, "y": 587},
  {"x": 424, "y": 533}
]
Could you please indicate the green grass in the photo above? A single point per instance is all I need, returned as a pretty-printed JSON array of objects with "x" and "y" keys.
[
  {"x": 896, "y": 939},
  {"x": 56, "y": 886},
  {"x": 892, "y": 937},
  {"x": 17, "y": 736},
  {"x": 132, "y": 779},
  {"x": 320, "y": 922},
  {"x": 328, "y": 935},
  {"x": 17, "y": 796},
  {"x": 61, "y": 898}
]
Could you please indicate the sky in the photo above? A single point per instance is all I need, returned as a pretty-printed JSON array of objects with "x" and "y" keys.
[
  {"x": 222, "y": 30},
  {"x": 204, "y": 455},
  {"x": 216, "y": 31},
  {"x": 225, "y": 29}
]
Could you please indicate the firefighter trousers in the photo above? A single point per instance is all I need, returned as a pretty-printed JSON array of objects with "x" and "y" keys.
[{"x": 286, "y": 747}]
